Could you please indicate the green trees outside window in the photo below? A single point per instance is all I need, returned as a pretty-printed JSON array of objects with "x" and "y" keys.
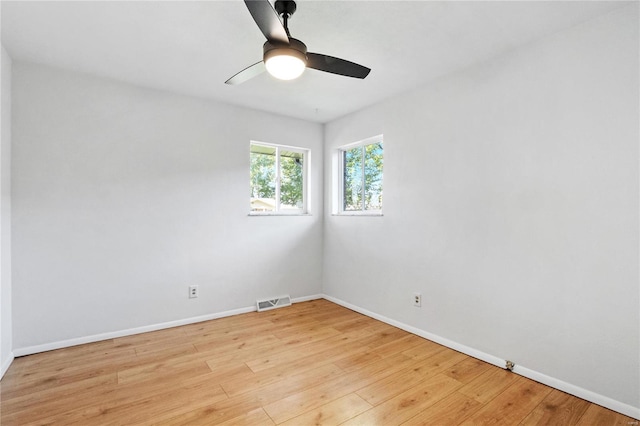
[
  {"x": 277, "y": 176},
  {"x": 362, "y": 178}
]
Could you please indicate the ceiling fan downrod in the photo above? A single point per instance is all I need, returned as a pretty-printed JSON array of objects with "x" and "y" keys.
[{"x": 285, "y": 8}]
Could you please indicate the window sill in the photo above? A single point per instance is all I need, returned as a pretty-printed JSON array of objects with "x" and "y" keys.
[
  {"x": 374, "y": 214},
  {"x": 277, "y": 214}
]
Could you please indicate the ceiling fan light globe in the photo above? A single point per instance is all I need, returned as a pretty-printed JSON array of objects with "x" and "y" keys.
[{"x": 285, "y": 64}]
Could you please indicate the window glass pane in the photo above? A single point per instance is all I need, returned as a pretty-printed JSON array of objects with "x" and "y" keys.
[
  {"x": 373, "y": 176},
  {"x": 291, "y": 185},
  {"x": 263, "y": 178},
  {"x": 352, "y": 179},
  {"x": 362, "y": 176},
  {"x": 352, "y": 160}
]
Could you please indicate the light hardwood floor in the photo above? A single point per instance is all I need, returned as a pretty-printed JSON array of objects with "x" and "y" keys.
[{"x": 311, "y": 363}]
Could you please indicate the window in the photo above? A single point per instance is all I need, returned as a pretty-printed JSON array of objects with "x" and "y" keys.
[
  {"x": 278, "y": 179},
  {"x": 361, "y": 176}
]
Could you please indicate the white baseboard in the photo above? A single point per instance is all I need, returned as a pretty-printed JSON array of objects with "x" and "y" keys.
[
  {"x": 569, "y": 388},
  {"x": 5, "y": 365},
  {"x": 29, "y": 350},
  {"x": 307, "y": 298}
]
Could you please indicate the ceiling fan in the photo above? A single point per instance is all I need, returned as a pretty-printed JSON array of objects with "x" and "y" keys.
[{"x": 285, "y": 57}]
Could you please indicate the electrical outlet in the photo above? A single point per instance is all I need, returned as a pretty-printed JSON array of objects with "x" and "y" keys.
[
  {"x": 193, "y": 291},
  {"x": 417, "y": 300}
]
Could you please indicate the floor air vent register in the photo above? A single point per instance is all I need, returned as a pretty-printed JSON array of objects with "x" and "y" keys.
[{"x": 278, "y": 302}]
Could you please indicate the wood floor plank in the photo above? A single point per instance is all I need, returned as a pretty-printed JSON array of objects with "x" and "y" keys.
[
  {"x": 162, "y": 370},
  {"x": 231, "y": 333},
  {"x": 384, "y": 337},
  {"x": 311, "y": 363},
  {"x": 49, "y": 402},
  {"x": 468, "y": 369},
  {"x": 414, "y": 372},
  {"x": 512, "y": 405},
  {"x": 409, "y": 403},
  {"x": 336, "y": 350},
  {"x": 292, "y": 385},
  {"x": 334, "y": 413},
  {"x": 357, "y": 360},
  {"x": 390, "y": 386},
  {"x": 36, "y": 368},
  {"x": 337, "y": 318},
  {"x": 184, "y": 345},
  {"x": 248, "y": 347},
  {"x": 217, "y": 413},
  {"x": 451, "y": 410},
  {"x": 35, "y": 379},
  {"x": 597, "y": 415},
  {"x": 137, "y": 408},
  {"x": 489, "y": 384},
  {"x": 236, "y": 406},
  {"x": 230, "y": 373},
  {"x": 249, "y": 382},
  {"x": 351, "y": 323},
  {"x": 269, "y": 380},
  {"x": 167, "y": 335},
  {"x": 398, "y": 346},
  {"x": 297, "y": 349},
  {"x": 324, "y": 392},
  {"x": 58, "y": 361},
  {"x": 557, "y": 408},
  {"x": 70, "y": 375},
  {"x": 296, "y": 324},
  {"x": 257, "y": 417},
  {"x": 423, "y": 350}
]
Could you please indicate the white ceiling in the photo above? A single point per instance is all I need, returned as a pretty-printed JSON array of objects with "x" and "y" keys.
[{"x": 192, "y": 47}]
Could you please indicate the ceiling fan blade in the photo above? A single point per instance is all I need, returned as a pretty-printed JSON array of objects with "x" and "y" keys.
[
  {"x": 267, "y": 19},
  {"x": 247, "y": 73},
  {"x": 336, "y": 65}
]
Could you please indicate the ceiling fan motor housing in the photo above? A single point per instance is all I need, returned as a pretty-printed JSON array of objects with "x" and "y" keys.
[{"x": 295, "y": 48}]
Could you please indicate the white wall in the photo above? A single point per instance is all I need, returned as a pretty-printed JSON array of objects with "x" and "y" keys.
[
  {"x": 124, "y": 196},
  {"x": 511, "y": 204},
  {"x": 6, "y": 323}
]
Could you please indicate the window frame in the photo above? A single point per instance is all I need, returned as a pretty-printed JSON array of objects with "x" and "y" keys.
[
  {"x": 339, "y": 209},
  {"x": 306, "y": 156}
]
